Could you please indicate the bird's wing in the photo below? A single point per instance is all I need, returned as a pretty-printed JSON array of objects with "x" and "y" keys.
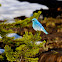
[
  {"x": 36, "y": 26},
  {"x": 39, "y": 24},
  {"x": 42, "y": 28}
]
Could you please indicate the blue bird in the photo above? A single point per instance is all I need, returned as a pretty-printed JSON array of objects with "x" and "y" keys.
[{"x": 37, "y": 26}]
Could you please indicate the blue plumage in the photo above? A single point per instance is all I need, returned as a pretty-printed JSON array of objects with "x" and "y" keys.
[{"x": 37, "y": 26}]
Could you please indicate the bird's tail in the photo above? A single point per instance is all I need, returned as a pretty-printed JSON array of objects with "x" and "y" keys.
[{"x": 45, "y": 31}]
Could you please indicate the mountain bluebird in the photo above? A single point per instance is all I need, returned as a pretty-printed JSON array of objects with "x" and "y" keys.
[{"x": 37, "y": 26}]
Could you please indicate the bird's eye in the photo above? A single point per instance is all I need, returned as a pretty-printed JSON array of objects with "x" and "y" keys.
[{"x": 32, "y": 20}]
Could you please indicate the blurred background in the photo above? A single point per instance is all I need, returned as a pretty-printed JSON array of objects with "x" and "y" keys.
[
  {"x": 26, "y": 8},
  {"x": 55, "y": 7}
]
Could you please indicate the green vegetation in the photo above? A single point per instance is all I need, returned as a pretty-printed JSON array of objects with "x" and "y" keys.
[
  {"x": 25, "y": 48},
  {"x": 0, "y": 5}
]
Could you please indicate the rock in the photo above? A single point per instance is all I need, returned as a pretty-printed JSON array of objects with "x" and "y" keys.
[{"x": 52, "y": 56}]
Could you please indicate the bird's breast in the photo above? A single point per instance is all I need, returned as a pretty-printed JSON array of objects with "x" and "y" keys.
[{"x": 36, "y": 27}]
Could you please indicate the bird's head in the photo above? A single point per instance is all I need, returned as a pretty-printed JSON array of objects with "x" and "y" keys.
[{"x": 34, "y": 19}]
